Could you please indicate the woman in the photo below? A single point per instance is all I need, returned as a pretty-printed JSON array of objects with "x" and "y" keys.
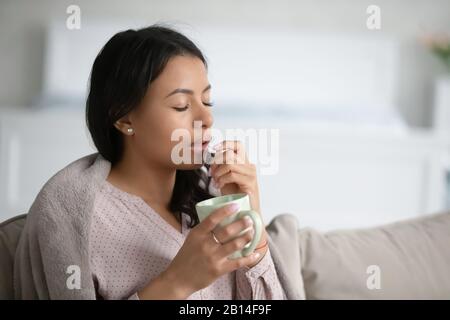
[{"x": 145, "y": 240}]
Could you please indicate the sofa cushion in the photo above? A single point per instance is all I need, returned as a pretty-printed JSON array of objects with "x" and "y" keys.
[
  {"x": 404, "y": 260},
  {"x": 9, "y": 236}
]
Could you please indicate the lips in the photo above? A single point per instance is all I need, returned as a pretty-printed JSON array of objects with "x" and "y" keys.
[
  {"x": 205, "y": 140},
  {"x": 203, "y": 143}
]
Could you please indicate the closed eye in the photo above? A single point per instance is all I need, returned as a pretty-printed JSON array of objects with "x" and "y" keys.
[
  {"x": 208, "y": 104},
  {"x": 181, "y": 109}
]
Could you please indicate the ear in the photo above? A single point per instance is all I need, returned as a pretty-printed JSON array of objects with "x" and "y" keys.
[{"x": 124, "y": 125}]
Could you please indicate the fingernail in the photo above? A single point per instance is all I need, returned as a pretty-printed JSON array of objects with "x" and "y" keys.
[
  {"x": 256, "y": 255},
  {"x": 234, "y": 207},
  {"x": 248, "y": 221}
]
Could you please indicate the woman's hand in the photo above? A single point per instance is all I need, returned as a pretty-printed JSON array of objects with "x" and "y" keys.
[
  {"x": 201, "y": 260},
  {"x": 232, "y": 172}
]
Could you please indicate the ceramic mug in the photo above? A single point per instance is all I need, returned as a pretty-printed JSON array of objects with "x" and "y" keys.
[{"x": 206, "y": 207}]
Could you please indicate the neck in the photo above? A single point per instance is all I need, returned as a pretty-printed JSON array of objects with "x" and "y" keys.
[{"x": 152, "y": 183}]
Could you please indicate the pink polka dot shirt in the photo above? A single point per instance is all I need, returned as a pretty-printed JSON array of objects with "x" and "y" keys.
[{"x": 130, "y": 244}]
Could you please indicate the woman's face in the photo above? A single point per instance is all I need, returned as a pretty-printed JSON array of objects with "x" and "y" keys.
[{"x": 176, "y": 99}]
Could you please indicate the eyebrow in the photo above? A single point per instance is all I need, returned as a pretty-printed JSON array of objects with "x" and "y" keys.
[{"x": 186, "y": 91}]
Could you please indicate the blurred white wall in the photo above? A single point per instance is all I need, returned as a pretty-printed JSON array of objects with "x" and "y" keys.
[
  {"x": 338, "y": 178},
  {"x": 23, "y": 23}
]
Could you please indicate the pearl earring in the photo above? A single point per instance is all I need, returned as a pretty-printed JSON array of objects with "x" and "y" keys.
[{"x": 130, "y": 130}]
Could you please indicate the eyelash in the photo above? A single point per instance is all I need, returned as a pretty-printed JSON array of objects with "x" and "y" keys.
[{"x": 208, "y": 104}]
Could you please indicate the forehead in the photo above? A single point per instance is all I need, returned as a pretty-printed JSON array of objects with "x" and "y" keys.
[{"x": 181, "y": 72}]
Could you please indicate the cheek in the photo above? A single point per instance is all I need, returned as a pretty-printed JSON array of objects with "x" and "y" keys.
[
  {"x": 154, "y": 134},
  {"x": 181, "y": 145}
]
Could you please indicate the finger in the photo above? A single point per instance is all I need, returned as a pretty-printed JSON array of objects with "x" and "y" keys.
[
  {"x": 226, "y": 168},
  {"x": 234, "y": 264},
  {"x": 234, "y": 145},
  {"x": 230, "y": 231},
  {"x": 222, "y": 157},
  {"x": 228, "y": 157},
  {"x": 234, "y": 177},
  {"x": 232, "y": 246},
  {"x": 210, "y": 222}
]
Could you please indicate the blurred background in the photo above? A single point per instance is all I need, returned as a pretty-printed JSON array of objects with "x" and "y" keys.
[{"x": 360, "y": 96}]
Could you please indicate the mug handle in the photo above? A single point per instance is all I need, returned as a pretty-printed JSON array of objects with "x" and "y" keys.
[{"x": 257, "y": 227}]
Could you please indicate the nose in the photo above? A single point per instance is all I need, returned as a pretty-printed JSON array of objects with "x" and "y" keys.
[{"x": 204, "y": 115}]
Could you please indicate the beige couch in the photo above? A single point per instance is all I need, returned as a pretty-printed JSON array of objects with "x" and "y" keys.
[
  {"x": 408, "y": 259},
  {"x": 404, "y": 260}
]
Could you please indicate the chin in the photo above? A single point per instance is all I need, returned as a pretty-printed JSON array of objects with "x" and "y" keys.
[{"x": 193, "y": 162}]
